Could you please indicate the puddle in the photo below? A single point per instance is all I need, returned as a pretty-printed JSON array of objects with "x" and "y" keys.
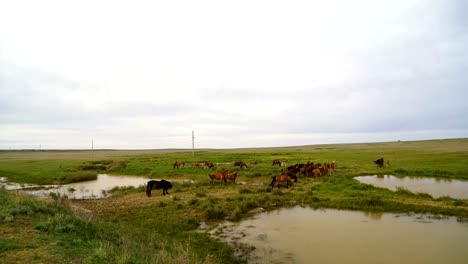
[
  {"x": 305, "y": 235},
  {"x": 436, "y": 187},
  {"x": 94, "y": 189}
]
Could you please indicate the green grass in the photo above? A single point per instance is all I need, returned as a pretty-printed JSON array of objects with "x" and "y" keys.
[{"x": 128, "y": 227}]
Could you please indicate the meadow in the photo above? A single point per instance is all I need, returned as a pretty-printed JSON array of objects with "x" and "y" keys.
[{"x": 129, "y": 227}]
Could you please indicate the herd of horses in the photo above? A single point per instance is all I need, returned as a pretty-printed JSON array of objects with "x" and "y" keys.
[{"x": 287, "y": 175}]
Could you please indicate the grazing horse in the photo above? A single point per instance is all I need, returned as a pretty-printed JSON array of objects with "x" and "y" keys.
[
  {"x": 276, "y": 162},
  {"x": 288, "y": 178},
  {"x": 162, "y": 184},
  {"x": 241, "y": 164},
  {"x": 208, "y": 165},
  {"x": 179, "y": 164},
  {"x": 379, "y": 162},
  {"x": 219, "y": 176}
]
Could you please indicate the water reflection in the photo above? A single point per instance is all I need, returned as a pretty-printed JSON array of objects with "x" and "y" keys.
[
  {"x": 374, "y": 215},
  {"x": 436, "y": 187},
  {"x": 94, "y": 189},
  {"x": 304, "y": 235}
]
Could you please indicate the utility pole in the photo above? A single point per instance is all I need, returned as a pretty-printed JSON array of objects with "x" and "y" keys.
[
  {"x": 193, "y": 144},
  {"x": 92, "y": 148}
]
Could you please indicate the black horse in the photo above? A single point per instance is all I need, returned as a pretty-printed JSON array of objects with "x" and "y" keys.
[
  {"x": 379, "y": 162},
  {"x": 162, "y": 184}
]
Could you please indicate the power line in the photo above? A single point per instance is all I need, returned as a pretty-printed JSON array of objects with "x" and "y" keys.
[{"x": 193, "y": 144}]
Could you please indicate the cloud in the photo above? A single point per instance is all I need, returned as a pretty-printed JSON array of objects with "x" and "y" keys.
[{"x": 145, "y": 74}]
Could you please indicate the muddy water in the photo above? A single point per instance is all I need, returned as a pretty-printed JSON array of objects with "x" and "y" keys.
[
  {"x": 83, "y": 190},
  {"x": 304, "y": 235},
  {"x": 435, "y": 187}
]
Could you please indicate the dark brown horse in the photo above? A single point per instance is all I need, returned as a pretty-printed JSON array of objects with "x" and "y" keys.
[
  {"x": 288, "y": 178},
  {"x": 221, "y": 176},
  {"x": 208, "y": 165},
  {"x": 379, "y": 162},
  {"x": 241, "y": 164},
  {"x": 179, "y": 164},
  {"x": 162, "y": 184}
]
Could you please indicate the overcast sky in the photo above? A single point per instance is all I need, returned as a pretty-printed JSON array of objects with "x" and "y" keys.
[{"x": 144, "y": 74}]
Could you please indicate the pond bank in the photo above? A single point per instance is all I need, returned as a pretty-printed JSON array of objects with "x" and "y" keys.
[{"x": 305, "y": 235}]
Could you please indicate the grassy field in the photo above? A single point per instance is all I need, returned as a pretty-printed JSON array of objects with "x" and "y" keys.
[{"x": 129, "y": 227}]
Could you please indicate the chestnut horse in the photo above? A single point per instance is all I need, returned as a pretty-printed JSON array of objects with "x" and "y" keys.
[
  {"x": 219, "y": 176},
  {"x": 179, "y": 164},
  {"x": 288, "y": 178},
  {"x": 232, "y": 176},
  {"x": 162, "y": 184}
]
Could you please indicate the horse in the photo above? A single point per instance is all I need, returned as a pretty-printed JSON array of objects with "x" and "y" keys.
[
  {"x": 333, "y": 166},
  {"x": 288, "y": 178},
  {"x": 316, "y": 172},
  {"x": 241, "y": 164},
  {"x": 379, "y": 162},
  {"x": 162, "y": 184},
  {"x": 179, "y": 164},
  {"x": 232, "y": 176},
  {"x": 219, "y": 176},
  {"x": 208, "y": 165}
]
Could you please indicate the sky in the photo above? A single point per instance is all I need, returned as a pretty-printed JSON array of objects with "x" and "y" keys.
[{"x": 145, "y": 74}]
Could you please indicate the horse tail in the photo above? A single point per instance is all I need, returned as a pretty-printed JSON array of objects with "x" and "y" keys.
[
  {"x": 273, "y": 182},
  {"x": 148, "y": 189}
]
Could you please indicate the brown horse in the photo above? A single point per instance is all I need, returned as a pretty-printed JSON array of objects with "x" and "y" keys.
[
  {"x": 288, "y": 178},
  {"x": 179, "y": 164},
  {"x": 241, "y": 164},
  {"x": 232, "y": 176},
  {"x": 221, "y": 176}
]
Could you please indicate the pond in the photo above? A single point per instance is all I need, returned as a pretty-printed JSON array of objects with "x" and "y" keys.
[
  {"x": 436, "y": 187},
  {"x": 94, "y": 189},
  {"x": 305, "y": 235}
]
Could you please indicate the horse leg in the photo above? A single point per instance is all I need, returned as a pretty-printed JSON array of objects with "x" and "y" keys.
[{"x": 148, "y": 190}]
